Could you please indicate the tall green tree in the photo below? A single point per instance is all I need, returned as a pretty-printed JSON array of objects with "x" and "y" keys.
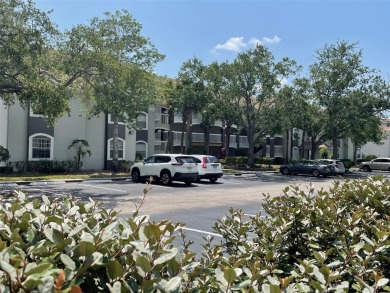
[
  {"x": 29, "y": 69},
  {"x": 256, "y": 80},
  {"x": 116, "y": 63},
  {"x": 337, "y": 73},
  {"x": 222, "y": 104},
  {"x": 191, "y": 96}
]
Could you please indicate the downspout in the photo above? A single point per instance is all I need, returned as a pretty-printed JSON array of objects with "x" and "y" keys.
[{"x": 105, "y": 140}]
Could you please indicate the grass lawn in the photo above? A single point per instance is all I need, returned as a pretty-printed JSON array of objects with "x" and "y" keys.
[{"x": 37, "y": 176}]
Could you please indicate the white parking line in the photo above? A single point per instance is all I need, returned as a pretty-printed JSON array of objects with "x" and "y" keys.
[{"x": 203, "y": 232}]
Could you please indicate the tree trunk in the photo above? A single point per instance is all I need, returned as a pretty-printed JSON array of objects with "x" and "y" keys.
[
  {"x": 354, "y": 153},
  {"x": 227, "y": 148},
  {"x": 302, "y": 155},
  {"x": 183, "y": 128},
  {"x": 313, "y": 149},
  {"x": 287, "y": 144},
  {"x": 207, "y": 140},
  {"x": 334, "y": 142},
  {"x": 251, "y": 138},
  {"x": 188, "y": 134}
]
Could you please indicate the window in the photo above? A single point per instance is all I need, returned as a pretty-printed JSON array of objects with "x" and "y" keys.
[
  {"x": 140, "y": 149},
  {"x": 121, "y": 149},
  {"x": 35, "y": 113},
  {"x": 111, "y": 118},
  {"x": 41, "y": 147},
  {"x": 142, "y": 121}
]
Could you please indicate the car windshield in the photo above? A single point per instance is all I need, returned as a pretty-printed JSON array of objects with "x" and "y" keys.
[
  {"x": 185, "y": 159},
  {"x": 212, "y": 160}
]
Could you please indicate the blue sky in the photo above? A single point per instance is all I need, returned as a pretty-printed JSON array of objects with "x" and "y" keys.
[{"x": 215, "y": 30}]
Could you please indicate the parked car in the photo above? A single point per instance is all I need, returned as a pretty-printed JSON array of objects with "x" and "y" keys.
[
  {"x": 166, "y": 168},
  {"x": 337, "y": 164},
  {"x": 208, "y": 167},
  {"x": 312, "y": 167},
  {"x": 376, "y": 164}
]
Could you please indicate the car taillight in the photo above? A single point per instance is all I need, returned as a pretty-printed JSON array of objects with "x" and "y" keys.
[
  {"x": 326, "y": 167},
  {"x": 204, "y": 163},
  {"x": 336, "y": 166}
]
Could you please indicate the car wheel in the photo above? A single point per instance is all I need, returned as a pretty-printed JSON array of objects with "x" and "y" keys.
[
  {"x": 135, "y": 175},
  {"x": 366, "y": 168},
  {"x": 315, "y": 173},
  {"x": 213, "y": 180},
  {"x": 285, "y": 171},
  {"x": 165, "y": 178},
  {"x": 188, "y": 182}
]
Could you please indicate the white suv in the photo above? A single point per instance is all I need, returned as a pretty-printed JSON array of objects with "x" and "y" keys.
[
  {"x": 208, "y": 167},
  {"x": 166, "y": 168}
]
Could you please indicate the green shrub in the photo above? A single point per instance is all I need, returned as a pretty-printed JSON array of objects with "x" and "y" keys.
[
  {"x": 370, "y": 157},
  {"x": 347, "y": 163},
  {"x": 308, "y": 241},
  {"x": 313, "y": 241}
]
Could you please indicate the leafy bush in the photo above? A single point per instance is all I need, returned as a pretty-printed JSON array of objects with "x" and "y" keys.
[
  {"x": 47, "y": 166},
  {"x": 309, "y": 241},
  {"x": 370, "y": 157},
  {"x": 243, "y": 161},
  {"x": 4, "y": 154},
  {"x": 347, "y": 163}
]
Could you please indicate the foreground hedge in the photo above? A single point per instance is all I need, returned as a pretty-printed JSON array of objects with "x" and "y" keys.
[{"x": 310, "y": 241}]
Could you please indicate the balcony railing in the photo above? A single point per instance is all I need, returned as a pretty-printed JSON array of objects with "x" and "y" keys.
[
  {"x": 215, "y": 138},
  {"x": 198, "y": 137},
  {"x": 160, "y": 146},
  {"x": 243, "y": 142},
  {"x": 162, "y": 119},
  {"x": 233, "y": 141}
]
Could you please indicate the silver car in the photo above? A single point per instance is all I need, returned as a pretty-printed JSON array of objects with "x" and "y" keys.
[
  {"x": 337, "y": 164},
  {"x": 376, "y": 164}
]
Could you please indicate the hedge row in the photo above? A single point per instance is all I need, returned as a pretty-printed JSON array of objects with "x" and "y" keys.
[{"x": 310, "y": 241}]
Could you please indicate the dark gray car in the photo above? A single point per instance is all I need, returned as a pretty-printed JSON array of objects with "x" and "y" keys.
[{"x": 314, "y": 168}]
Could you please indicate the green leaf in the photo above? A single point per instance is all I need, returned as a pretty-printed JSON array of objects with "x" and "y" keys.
[
  {"x": 319, "y": 256},
  {"x": 41, "y": 268},
  {"x": 84, "y": 249},
  {"x": 68, "y": 262},
  {"x": 167, "y": 255},
  {"x": 143, "y": 264},
  {"x": 10, "y": 270},
  {"x": 77, "y": 229},
  {"x": 230, "y": 275},
  {"x": 114, "y": 269},
  {"x": 173, "y": 285}
]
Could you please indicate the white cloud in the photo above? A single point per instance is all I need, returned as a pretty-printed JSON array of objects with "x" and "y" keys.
[
  {"x": 233, "y": 44},
  {"x": 236, "y": 44},
  {"x": 264, "y": 41}
]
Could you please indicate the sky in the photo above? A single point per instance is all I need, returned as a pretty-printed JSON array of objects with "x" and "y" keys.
[{"x": 216, "y": 30}]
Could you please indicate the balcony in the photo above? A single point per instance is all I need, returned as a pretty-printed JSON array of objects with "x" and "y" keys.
[
  {"x": 233, "y": 141},
  {"x": 243, "y": 142},
  {"x": 161, "y": 120},
  {"x": 160, "y": 147}
]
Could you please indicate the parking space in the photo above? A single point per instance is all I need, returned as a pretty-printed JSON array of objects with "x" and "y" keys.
[{"x": 199, "y": 205}]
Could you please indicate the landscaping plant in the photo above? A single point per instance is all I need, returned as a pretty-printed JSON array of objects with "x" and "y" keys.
[{"x": 308, "y": 240}]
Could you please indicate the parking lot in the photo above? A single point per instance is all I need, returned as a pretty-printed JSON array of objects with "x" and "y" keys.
[{"x": 199, "y": 205}]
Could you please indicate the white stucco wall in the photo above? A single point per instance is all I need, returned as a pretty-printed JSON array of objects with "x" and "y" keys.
[
  {"x": 3, "y": 124},
  {"x": 73, "y": 127},
  {"x": 17, "y": 133}
]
